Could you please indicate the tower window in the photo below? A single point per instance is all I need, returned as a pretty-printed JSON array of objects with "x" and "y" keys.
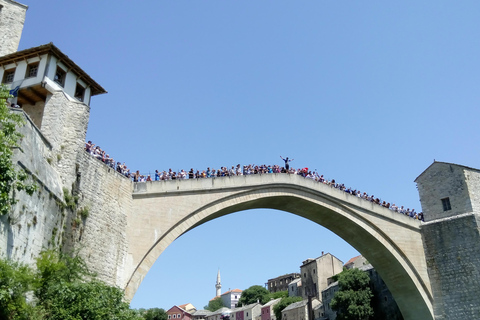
[
  {"x": 79, "y": 92},
  {"x": 8, "y": 76},
  {"x": 446, "y": 204},
  {"x": 32, "y": 70},
  {"x": 60, "y": 76}
]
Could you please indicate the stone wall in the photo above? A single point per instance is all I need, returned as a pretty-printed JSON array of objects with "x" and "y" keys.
[
  {"x": 452, "y": 248},
  {"x": 472, "y": 177},
  {"x": 12, "y": 18},
  {"x": 45, "y": 221},
  {"x": 36, "y": 222},
  {"x": 101, "y": 237},
  {"x": 64, "y": 124},
  {"x": 439, "y": 181}
]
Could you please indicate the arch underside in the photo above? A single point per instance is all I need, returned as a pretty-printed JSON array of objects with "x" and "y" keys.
[{"x": 366, "y": 231}]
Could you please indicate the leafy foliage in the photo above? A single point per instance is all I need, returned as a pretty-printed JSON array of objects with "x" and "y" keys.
[
  {"x": 15, "y": 282},
  {"x": 285, "y": 302},
  {"x": 353, "y": 300},
  {"x": 254, "y": 294},
  {"x": 214, "y": 304},
  {"x": 154, "y": 314},
  {"x": 64, "y": 290},
  {"x": 10, "y": 178},
  {"x": 86, "y": 300},
  {"x": 278, "y": 294}
]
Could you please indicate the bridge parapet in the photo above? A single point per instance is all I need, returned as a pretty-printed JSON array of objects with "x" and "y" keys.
[{"x": 242, "y": 182}]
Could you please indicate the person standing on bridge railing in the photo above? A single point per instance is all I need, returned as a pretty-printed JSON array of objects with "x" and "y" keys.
[{"x": 287, "y": 165}]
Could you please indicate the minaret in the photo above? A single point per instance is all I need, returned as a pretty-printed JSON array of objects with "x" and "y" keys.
[{"x": 218, "y": 285}]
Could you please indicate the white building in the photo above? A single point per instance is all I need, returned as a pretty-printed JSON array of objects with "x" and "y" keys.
[{"x": 35, "y": 74}]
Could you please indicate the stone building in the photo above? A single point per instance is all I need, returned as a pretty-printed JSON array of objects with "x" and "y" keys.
[
  {"x": 450, "y": 198},
  {"x": 231, "y": 297},
  {"x": 295, "y": 288},
  {"x": 315, "y": 272},
  {"x": 281, "y": 283},
  {"x": 221, "y": 314},
  {"x": 267, "y": 310},
  {"x": 356, "y": 262},
  {"x": 248, "y": 312},
  {"x": 299, "y": 310},
  {"x": 179, "y": 313},
  {"x": 200, "y": 314}
]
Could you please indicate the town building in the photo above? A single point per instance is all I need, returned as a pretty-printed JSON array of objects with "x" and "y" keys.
[
  {"x": 267, "y": 310},
  {"x": 248, "y": 312},
  {"x": 281, "y": 283},
  {"x": 315, "y": 272},
  {"x": 299, "y": 310},
  {"x": 179, "y": 313},
  {"x": 201, "y": 314},
  {"x": 231, "y": 297},
  {"x": 327, "y": 296},
  {"x": 356, "y": 262},
  {"x": 220, "y": 314},
  {"x": 295, "y": 288},
  {"x": 188, "y": 307}
]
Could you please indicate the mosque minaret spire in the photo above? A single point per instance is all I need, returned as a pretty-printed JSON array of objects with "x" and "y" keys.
[{"x": 218, "y": 285}]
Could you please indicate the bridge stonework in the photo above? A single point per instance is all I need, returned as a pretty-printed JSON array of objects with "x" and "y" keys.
[{"x": 391, "y": 242}]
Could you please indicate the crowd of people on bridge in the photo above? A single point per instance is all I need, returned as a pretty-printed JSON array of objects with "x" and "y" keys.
[{"x": 239, "y": 170}]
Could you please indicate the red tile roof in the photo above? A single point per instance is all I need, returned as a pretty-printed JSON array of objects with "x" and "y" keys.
[{"x": 352, "y": 260}]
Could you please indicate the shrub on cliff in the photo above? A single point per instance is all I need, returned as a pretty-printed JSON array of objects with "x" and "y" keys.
[{"x": 10, "y": 178}]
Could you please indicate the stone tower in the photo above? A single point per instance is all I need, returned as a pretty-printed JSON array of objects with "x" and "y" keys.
[
  {"x": 12, "y": 18},
  {"x": 218, "y": 285},
  {"x": 450, "y": 198}
]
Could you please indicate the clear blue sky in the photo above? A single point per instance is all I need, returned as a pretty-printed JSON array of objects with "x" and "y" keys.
[{"x": 366, "y": 92}]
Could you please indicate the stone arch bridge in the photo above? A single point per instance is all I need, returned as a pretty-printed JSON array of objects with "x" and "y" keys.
[{"x": 164, "y": 210}]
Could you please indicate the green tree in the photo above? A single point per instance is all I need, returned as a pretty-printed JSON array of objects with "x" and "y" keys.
[
  {"x": 155, "y": 314},
  {"x": 214, "y": 304},
  {"x": 278, "y": 294},
  {"x": 285, "y": 302},
  {"x": 254, "y": 294},
  {"x": 10, "y": 178},
  {"x": 66, "y": 290},
  {"x": 353, "y": 299},
  {"x": 93, "y": 300},
  {"x": 15, "y": 281}
]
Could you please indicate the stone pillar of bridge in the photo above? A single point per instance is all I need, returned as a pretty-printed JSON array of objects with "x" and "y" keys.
[{"x": 450, "y": 198}]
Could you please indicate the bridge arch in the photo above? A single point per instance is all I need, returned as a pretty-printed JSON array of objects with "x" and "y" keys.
[{"x": 391, "y": 242}]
